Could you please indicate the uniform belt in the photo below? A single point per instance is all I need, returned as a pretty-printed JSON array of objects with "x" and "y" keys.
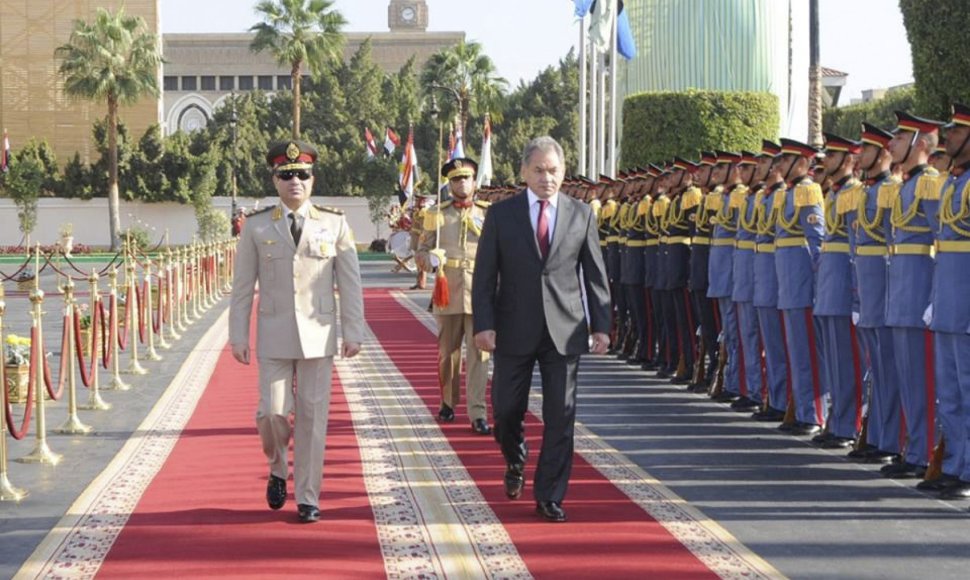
[
  {"x": 612, "y": 239},
  {"x": 722, "y": 242},
  {"x": 603, "y": 243},
  {"x": 676, "y": 240},
  {"x": 790, "y": 242},
  {"x": 746, "y": 245},
  {"x": 701, "y": 241},
  {"x": 636, "y": 243},
  {"x": 835, "y": 247},
  {"x": 622, "y": 239},
  {"x": 914, "y": 250},
  {"x": 962, "y": 246},
  {"x": 765, "y": 248},
  {"x": 871, "y": 251},
  {"x": 463, "y": 264},
  {"x": 653, "y": 242}
]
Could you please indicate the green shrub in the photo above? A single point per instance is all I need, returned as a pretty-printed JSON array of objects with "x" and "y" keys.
[
  {"x": 658, "y": 126},
  {"x": 847, "y": 121}
]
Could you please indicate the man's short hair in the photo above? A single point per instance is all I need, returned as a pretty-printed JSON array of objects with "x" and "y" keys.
[{"x": 544, "y": 144}]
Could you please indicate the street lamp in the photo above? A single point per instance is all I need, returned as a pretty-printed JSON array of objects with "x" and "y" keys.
[
  {"x": 233, "y": 121},
  {"x": 457, "y": 96}
]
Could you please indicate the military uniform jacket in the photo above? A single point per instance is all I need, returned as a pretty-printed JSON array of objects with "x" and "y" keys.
[
  {"x": 631, "y": 270},
  {"x": 702, "y": 220},
  {"x": 720, "y": 268},
  {"x": 298, "y": 285},
  {"x": 651, "y": 249},
  {"x": 868, "y": 225},
  {"x": 834, "y": 294},
  {"x": 911, "y": 259},
  {"x": 765, "y": 275},
  {"x": 674, "y": 257},
  {"x": 745, "y": 239},
  {"x": 799, "y": 229},
  {"x": 458, "y": 237},
  {"x": 951, "y": 277}
]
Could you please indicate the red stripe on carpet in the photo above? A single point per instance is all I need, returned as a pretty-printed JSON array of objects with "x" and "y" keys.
[
  {"x": 205, "y": 513},
  {"x": 608, "y": 536}
]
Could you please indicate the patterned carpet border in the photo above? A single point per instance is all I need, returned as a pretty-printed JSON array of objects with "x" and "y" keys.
[
  {"x": 77, "y": 545},
  {"x": 709, "y": 541}
]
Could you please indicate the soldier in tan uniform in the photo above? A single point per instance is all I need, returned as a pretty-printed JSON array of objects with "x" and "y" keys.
[
  {"x": 300, "y": 255},
  {"x": 449, "y": 241}
]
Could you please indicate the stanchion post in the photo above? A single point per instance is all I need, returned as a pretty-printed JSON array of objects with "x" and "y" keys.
[
  {"x": 42, "y": 452},
  {"x": 131, "y": 278},
  {"x": 164, "y": 302},
  {"x": 171, "y": 292},
  {"x": 95, "y": 402},
  {"x": 7, "y": 490},
  {"x": 117, "y": 383},
  {"x": 196, "y": 281},
  {"x": 73, "y": 424},
  {"x": 151, "y": 353}
]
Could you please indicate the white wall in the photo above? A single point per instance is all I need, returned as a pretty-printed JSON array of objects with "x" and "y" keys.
[{"x": 90, "y": 218}]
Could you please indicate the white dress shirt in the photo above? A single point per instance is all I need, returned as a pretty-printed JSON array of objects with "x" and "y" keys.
[{"x": 551, "y": 211}]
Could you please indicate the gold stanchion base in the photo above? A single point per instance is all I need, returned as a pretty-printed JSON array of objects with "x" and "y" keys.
[
  {"x": 135, "y": 368},
  {"x": 153, "y": 355},
  {"x": 172, "y": 335},
  {"x": 41, "y": 454},
  {"x": 162, "y": 343},
  {"x": 117, "y": 384},
  {"x": 73, "y": 426},
  {"x": 95, "y": 403},
  {"x": 10, "y": 493}
]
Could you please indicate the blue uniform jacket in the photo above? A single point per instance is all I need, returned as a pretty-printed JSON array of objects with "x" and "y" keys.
[
  {"x": 836, "y": 278},
  {"x": 800, "y": 221},
  {"x": 951, "y": 277},
  {"x": 867, "y": 235},
  {"x": 675, "y": 246},
  {"x": 746, "y": 237},
  {"x": 720, "y": 267},
  {"x": 765, "y": 275}
]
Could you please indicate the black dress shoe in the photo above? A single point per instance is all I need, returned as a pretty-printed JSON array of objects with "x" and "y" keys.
[
  {"x": 939, "y": 484},
  {"x": 902, "y": 470},
  {"x": 724, "y": 397},
  {"x": 770, "y": 414},
  {"x": 682, "y": 379},
  {"x": 308, "y": 513},
  {"x": 879, "y": 457},
  {"x": 800, "y": 428},
  {"x": 551, "y": 511},
  {"x": 446, "y": 414},
  {"x": 745, "y": 405},
  {"x": 481, "y": 427},
  {"x": 698, "y": 388},
  {"x": 650, "y": 366},
  {"x": 836, "y": 442},
  {"x": 514, "y": 481},
  {"x": 663, "y": 373},
  {"x": 276, "y": 492},
  {"x": 960, "y": 490}
]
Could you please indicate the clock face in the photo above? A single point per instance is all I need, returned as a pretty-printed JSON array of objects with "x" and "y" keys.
[{"x": 407, "y": 14}]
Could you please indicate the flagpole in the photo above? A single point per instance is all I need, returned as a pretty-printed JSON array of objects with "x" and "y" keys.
[
  {"x": 613, "y": 67},
  {"x": 601, "y": 116},
  {"x": 593, "y": 108},
  {"x": 583, "y": 82}
]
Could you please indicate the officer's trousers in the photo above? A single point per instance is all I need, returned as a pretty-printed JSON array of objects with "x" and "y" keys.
[
  {"x": 884, "y": 406},
  {"x": 953, "y": 386},
  {"x": 704, "y": 308},
  {"x": 913, "y": 352},
  {"x": 844, "y": 368},
  {"x": 749, "y": 352},
  {"x": 801, "y": 337},
  {"x": 771, "y": 325},
  {"x": 637, "y": 308},
  {"x": 452, "y": 330},
  {"x": 729, "y": 334}
]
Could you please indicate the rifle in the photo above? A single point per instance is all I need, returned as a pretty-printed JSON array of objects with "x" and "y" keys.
[
  {"x": 860, "y": 442},
  {"x": 700, "y": 367},
  {"x": 717, "y": 385},
  {"x": 935, "y": 468}
]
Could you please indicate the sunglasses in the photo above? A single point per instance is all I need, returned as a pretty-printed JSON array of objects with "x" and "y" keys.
[{"x": 301, "y": 174}]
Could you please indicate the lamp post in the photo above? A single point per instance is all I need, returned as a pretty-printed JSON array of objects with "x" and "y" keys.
[
  {"x": 233, "y": 121},
  {"x": 454, "y": 92}
]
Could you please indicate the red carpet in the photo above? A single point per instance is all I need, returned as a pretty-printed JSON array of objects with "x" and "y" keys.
[
  {"x": 204, "y": 514},
  {"x": 608, "y": 536}
]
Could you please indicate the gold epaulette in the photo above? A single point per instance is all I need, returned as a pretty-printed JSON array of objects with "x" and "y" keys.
[
  {"x": 848, "y": 198},
  {"x": 596, "y": 206},
  {"x": 660, "y": 206},
  {"x": 738, "y": 195},
  {"x": 779, "y": 200},
  {"x": 713, "y": 200},
  {"x": 889, "y": 192},
  {"x": 808, "y": 193},
  {"x": 433, "y": 219},
  {"x": 483, "y": 204},
  {"x": 929, "y": 185},
  {"x": 609, "y": 208},
  {"x": 643, "y": 207},
  {"x": 264, "y": 210},
  {"x": 329, "y": 209},
  {"x": 691, "y": 198}
]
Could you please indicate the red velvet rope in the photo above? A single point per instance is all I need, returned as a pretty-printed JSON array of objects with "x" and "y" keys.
[
  {"x": 62, "y": 372},
  {"x": 19, "y": 434},
  {"x": 141, "y": 310},
  {"x": 86, "y": 371}
]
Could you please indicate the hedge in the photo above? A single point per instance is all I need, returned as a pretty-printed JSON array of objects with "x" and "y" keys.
[
  {"x": 659, "y": 126},
  {"x": 847, "y": 121}
]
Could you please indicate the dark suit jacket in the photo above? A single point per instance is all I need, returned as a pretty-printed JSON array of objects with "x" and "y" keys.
[{"x": 515, "y": 292}]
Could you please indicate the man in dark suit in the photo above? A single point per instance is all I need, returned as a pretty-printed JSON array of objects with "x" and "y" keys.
[{"x": 537, "y": 257}]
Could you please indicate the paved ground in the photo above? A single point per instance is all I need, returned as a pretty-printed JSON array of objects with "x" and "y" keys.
[{"x": 809, "y": 512}]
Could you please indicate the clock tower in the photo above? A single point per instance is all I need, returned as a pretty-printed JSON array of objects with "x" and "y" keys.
[{"x": 407, "y": 16}]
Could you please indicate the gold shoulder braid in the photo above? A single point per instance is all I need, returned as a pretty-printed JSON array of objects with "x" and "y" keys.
[
  {"x": 848, "y": 197},
  {"x": 901, "y": 218},
  {"x": 750, "y": 224},
  {"x": 691, "y": 198},
  {"x": 872, "y": 228},
  {"x": 834, "y": 220},
  {"x": 951, "y": 218},
  {"x": 660, "y": 206},
  {"x": 644, "y": 206},
  {"x": 889, "y": 192},
  {"x": 433, "y": 219},
  {"x": 929, "y": 184}
]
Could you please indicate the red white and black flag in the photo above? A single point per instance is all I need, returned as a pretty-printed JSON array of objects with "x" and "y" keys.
[
  {"x": 5, "y": 154},
  {"x": 371, "y": 144},
  {"x": 391, "y": 141}
]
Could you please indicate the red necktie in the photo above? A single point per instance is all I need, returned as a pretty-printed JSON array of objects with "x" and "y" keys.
[{"x": 542, "y": 229}]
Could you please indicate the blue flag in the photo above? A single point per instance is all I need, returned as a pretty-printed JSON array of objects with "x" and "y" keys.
[
  {"x": 625, "y": 44},
  {"x": 582, "y": 7}
]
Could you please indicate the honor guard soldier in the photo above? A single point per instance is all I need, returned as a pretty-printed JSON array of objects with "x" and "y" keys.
[
  {"x": 632, "y": 270},
  {"x": 868, "y": 230},
  {"x": 843, "y": 362},
  {"x": 449, "y": 242},
  {"x": 624, "y": 316},
  {"x": 799, "y": 229},
  {"x": 301, "y": 256},
  {"x": 651, "y": 226},
  {"x": 742, "y": 199},
  {"x": 950, "y": 312},
  {"x": 421, "y": 203},
  {"x": 910, "y": 205},
  {"x": 720, "y": 272},
  {"x": 700, "y": 251},
  {"x": 765, "y": 296}
]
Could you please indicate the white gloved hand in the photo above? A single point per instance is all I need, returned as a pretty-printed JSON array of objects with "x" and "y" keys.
[
  {"x": 855, "y": 319},
  {"x": 928, "y": 315}
]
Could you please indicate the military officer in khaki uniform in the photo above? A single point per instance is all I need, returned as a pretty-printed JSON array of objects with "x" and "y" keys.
[
  {"x": 300, "y": 255},
  {"x": 449, "y": 242}
]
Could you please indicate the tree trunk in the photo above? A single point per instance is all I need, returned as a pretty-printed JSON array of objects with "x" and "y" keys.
[
  {"x": 114, "y": 219},
  {"x": 814, "y": 79},
  {"x": 297, "y": 78}
]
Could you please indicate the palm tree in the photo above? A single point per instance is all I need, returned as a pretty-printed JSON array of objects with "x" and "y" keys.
[
  {"x": 114, "y": 59},
  {"x": 471, "y": 77},
  {"x": 299, "y": 33}
]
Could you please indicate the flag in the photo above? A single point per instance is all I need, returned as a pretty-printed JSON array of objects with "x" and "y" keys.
[
  {"x": 601, "y": 23},
  {"x": 625, "y": 45},
  {"x": 391, "y": 141},
  {"x": 582, "y": 7},
  {"x": 457, "y": 149},
  {"x": 485, "y": 167},
  {"x": 408, "y": 175},
  {"x": 451, "y": 142},
  {"x": 5, "y": 154},
  {"x": 371, "y": 145}
]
